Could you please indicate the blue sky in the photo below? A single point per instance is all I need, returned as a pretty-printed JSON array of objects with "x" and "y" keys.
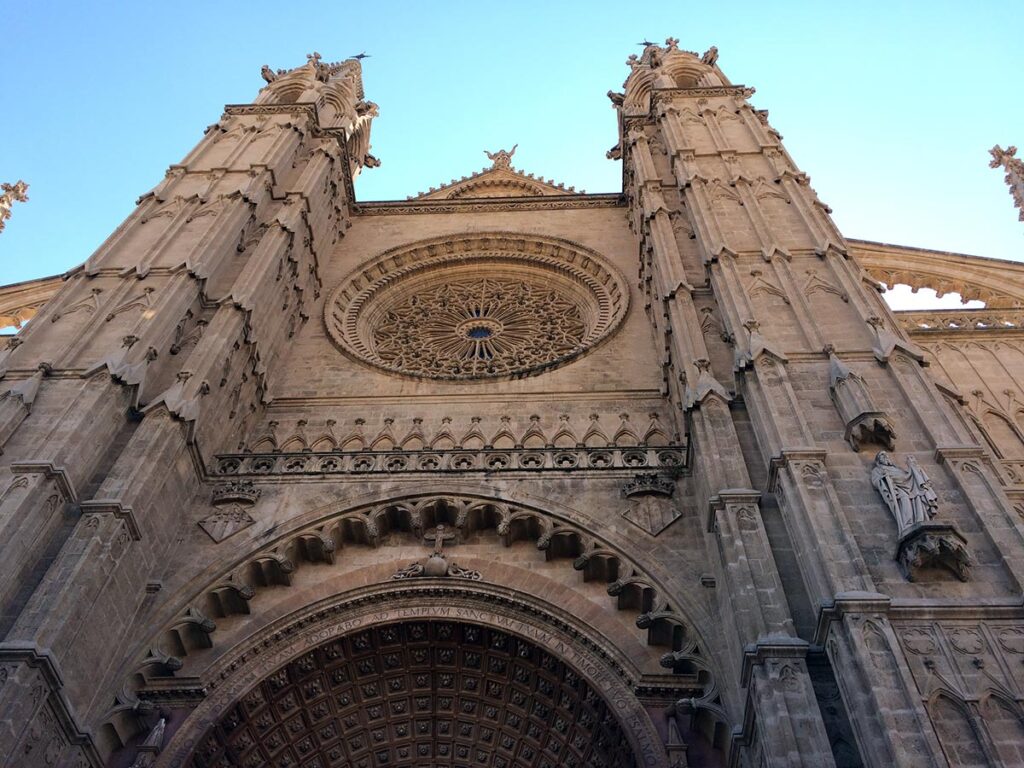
[{"x": 890, "y": 107}]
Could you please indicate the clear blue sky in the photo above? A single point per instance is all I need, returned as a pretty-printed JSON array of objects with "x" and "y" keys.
[{"x": 890, "y": 107}]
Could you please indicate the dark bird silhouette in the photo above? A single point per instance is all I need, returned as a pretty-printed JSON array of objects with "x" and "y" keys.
[
  {"x": 363, "y": 55},
  {"x": 646, "y": 43}
]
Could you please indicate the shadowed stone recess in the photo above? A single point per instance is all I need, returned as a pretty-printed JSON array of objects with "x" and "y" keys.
[{"x": 444, "y": 694}]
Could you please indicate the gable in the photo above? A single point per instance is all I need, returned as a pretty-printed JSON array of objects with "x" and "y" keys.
[{"x": 500, "y": 180}]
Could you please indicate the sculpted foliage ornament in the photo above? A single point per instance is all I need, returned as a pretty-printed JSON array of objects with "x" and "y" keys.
[
  {"x": 9, "y": 195},
  {"x": 485, "y": 306},
  {"x": 436, "y": 564},
  {"x": 1014, "y": 173}
]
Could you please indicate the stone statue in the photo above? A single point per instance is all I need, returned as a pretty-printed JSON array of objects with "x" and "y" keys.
[
  {"x": 907, "y": 492},
  {"x": 501, "y": 158},
  {"x": 710, "y": 56},
  {"x": 268, "y": 74}
]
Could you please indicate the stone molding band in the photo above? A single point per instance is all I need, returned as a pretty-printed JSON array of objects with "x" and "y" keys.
[{"x": 671, "y": 457}]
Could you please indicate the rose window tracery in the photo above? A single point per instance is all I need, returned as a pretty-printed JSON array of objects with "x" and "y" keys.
[
  {"x": 474, "y": 327},
  {"x": 485, "y": 306}
]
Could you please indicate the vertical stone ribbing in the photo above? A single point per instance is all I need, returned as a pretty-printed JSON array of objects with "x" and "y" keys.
[
  {"x": 751, "y": 598},
  {"x": 229, "y": 246}
]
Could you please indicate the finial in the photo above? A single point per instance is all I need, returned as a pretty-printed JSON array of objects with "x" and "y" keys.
[
  {"x": 9, "y": 195},
  {"x": 1014, "y": 174},
  {"x": 501, "y": 158}
]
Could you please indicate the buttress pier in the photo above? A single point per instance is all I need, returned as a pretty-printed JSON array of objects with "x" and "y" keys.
[{"x": 505, "y": 474}]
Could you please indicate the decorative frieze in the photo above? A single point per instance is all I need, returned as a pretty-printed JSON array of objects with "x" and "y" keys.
[
  {"x": 947, "y": 321},
  {"x": 670, "y": 457}
]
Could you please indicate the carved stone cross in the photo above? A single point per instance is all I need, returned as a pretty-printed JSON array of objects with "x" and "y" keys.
[{"x": 439, "y": 536}]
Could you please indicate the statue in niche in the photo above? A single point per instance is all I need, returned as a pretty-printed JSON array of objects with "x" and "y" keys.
[
  {"x": 907, "y": 492},
  {"x": 922, "y": 543}
]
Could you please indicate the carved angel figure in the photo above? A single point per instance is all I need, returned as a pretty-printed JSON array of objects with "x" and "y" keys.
[
  {"x": 907, "y": 492},
  {"x": 268, "y": 74},
  {"x": 502, "y": 158}
]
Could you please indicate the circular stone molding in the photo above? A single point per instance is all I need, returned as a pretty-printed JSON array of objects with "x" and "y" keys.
[{"x": 475, "y": 307}]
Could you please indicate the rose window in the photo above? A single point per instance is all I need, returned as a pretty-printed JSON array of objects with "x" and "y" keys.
[{"x": 486, "y": 313}]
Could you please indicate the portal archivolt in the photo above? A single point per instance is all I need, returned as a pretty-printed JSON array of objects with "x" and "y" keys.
[
  {"x": 240, "y": 613},
  {"x": 420, "y": 692}
]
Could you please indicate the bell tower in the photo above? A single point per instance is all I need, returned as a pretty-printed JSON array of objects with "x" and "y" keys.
[
  {"x": 792, "y": 372},
  {"x": 156, "y": 352},
  {"x": 506, "y": 474}
]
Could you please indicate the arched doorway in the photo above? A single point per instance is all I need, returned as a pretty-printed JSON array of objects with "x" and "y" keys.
[
  {"x": 413, "y": 693},
  {"x": 441, "y": 672}
]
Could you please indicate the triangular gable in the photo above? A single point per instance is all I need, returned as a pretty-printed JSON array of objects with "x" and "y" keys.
[{"x": 500, "y": 180}]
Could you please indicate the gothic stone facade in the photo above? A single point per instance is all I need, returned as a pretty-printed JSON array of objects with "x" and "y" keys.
[{"x": 505, "y": 474}]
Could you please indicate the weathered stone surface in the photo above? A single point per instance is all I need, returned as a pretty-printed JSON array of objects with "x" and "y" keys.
[{"x": 291, "y": 480}]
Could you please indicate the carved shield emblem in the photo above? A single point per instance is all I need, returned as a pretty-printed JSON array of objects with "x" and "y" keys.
[
  {"x": 652, "y": 513},
  {"x": 226, "y": 521}
]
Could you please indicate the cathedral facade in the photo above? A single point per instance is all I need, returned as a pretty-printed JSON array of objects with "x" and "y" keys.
[{"x": 506, "y": 475}]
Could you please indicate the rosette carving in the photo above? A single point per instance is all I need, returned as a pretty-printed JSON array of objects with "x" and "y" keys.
[{"x": 481, "y": 306}]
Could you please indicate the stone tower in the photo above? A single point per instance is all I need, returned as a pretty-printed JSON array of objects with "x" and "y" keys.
[{"x": 508, "y": 475}]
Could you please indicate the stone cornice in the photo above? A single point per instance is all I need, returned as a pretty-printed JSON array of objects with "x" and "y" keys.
[
  {"x": 487, "y": 205},
  {"x": 115, "y": 508},
  {"x": 58, "y": 474},
  {"x": 781, "y": 647},
  {"x": 613, "y": 461},
  {"x": 705, "y": 92},
  {"x": 848, "y": 602},
  {"x": 306, "y": 107}
]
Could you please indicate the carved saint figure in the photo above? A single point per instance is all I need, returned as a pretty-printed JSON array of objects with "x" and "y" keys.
[{"x": 907, "y": 492}]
